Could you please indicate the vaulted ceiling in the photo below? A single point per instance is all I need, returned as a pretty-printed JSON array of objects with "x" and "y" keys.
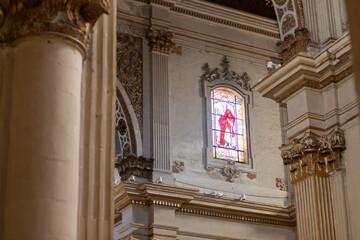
[{"x": 258, "y": 7}]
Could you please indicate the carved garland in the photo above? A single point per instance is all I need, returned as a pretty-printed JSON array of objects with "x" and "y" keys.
[
  {"x": 69, "y": 18},
  {"x": 130, "y": 71}
]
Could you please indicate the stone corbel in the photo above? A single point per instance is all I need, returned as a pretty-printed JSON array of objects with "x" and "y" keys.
[
  {"x": 162, "y": 41},
  {"x": 73, "y": 19}
]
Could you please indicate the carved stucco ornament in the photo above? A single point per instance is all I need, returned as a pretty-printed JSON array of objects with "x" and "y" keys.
[
  {"x": 281, "y": 184},
  {"x": 162, "y": 41},
  {"x": 294, "y": 44},
  {"x": 231, "y": 171},
  {"x": 178, "y": 167},
  {"x": 312, "y": 155},
  {"x": 224, "y": 73},
  {"x": 68, "y": 18},
  {"x": 135, "y": 166}
]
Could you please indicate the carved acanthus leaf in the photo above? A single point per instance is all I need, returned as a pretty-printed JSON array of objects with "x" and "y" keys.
[
  {"x": 162, "y": 41},
  {"x": 71, "y": 18},
  {"x": 314, "y": 155}
]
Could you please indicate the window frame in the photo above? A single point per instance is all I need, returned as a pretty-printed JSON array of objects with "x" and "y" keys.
[{"x": 209, "y": 160}]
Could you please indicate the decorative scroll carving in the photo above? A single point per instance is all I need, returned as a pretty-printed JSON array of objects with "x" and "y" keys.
[
  {"x": 135, "y": 166},
  {"x": 178, "y": 167},
  {"x": 162, "y": 41},
  {"x": 123, "y": 131},
  {"x": 312, "y": 155},
  {"x": 225, "y": 74},
  {"x": 293, "y": 44},
  {"x": 130, "y": 71},
  {"x": 231, "y": 171},
  {"x": 252, "y": 176},
  {"x": 281, "y": 184},
  {"x": 70, "y": 18}
]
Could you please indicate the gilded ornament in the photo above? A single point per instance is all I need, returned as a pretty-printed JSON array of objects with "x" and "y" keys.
[
  {"x": 162, "y": 41},
  {"x": 294, "y": 44},
  {"x": 130, "y": 71},
  {"x": 135, "y": 166},
  {"x": 312, "y": 155},
  {"x": 71, "y": 18}
]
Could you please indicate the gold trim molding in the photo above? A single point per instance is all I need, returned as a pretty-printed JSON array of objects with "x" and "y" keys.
[
  {"x": 190, "y": 201},
  {"x": 73, "y": 19},
  {"x": 314, "y": 156}
]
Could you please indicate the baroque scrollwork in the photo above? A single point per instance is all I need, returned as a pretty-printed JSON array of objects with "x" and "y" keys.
[
  {"x": 312, "y": 155},
  {"x": 70, "y": 18},
  {"x": 162, "y": 41},
  {"x": 225, "y": 74},
  {"x": 130, "y": 71},
  {"x": 231, "y": 171}
]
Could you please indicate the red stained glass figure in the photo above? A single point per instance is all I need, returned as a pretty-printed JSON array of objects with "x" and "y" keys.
[{"x": 226, "y": 122}]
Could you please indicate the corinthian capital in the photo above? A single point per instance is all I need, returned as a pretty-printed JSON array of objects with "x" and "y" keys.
[{"x": 69, "y": 18}]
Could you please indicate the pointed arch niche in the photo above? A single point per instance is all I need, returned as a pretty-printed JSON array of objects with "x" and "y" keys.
[{"x": 226, "y": 100}]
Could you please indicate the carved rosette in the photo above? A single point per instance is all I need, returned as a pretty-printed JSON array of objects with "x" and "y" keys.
[
  {"x": 69, "y": 18},
  {"x": 135, "y": 166},
  {"x": 162, "y": 41},
  {"x": 312, "y": 155}
]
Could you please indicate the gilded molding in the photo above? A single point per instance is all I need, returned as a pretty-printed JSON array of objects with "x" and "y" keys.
[
  {"x": 294, "y": 44},
  {"x": 312, "y": 155},
  {"x": 70, "y": 18},
  {"x": 129, "y": 63},
  {"x": 162, "y": 41}
]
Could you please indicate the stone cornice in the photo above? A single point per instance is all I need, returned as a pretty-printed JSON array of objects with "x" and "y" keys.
[
  {"x": 190, "y": 201},
  {"x": 330, "y": 66},
  {"x": 72, "y": 19},
  {"x": 221, "y": 15}
]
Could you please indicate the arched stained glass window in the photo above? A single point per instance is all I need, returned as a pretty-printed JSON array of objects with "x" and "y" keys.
[{"x": 228, "y": 125}]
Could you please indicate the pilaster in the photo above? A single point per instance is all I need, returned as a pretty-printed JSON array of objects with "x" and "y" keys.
[{"x": 316, "y": 171}]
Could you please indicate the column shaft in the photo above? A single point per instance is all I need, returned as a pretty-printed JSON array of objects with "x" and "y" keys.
[
  {"x": 43, "y": 168},
  {"x": 160, "y": 101}
]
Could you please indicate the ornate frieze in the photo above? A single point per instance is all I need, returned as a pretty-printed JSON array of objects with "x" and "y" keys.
[
  {"x": 312, "y": 155},
  {"x": 162, "y": 41},
  {"x": 135, "y": 166},
  {"x": 224, "y": 73},
  {"x": 130, "y": 71},
  {"x": 230, "y": 171},
  {"x": 70, "y": 18},
  {"x": 294, "y": 44},
  {"x": 178, "y": 167}
]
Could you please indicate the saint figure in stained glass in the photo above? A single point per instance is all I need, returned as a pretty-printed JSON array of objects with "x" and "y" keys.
[{"x": 228, "y": 124}]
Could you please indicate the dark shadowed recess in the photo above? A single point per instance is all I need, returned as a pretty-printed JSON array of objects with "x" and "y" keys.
[{"x": 258, "y": 7}]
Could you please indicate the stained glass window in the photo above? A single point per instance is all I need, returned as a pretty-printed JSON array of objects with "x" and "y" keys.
[{"x": 228, "y": 125}]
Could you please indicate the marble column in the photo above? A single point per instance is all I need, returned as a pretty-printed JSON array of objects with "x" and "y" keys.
[
  {"x": 316, "y": 170},
  {"x": 49, "y": 41}
]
